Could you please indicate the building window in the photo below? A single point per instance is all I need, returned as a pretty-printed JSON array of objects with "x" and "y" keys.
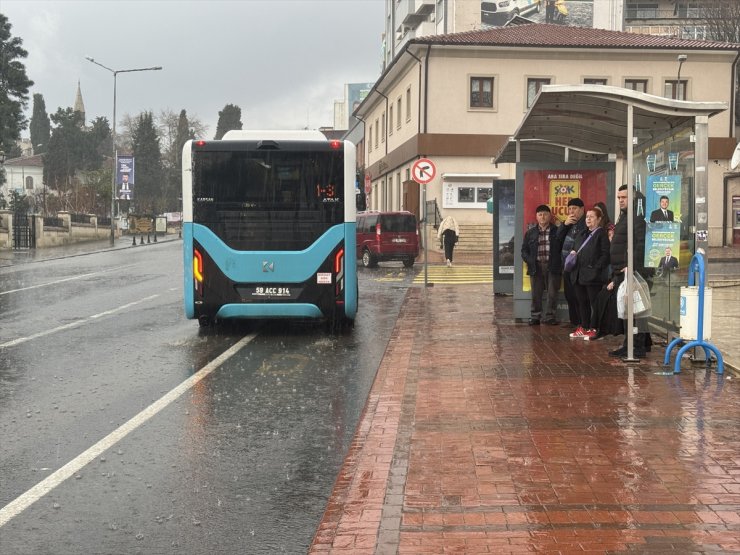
[
  {"x": 390, "y": 120},
  {"x": 377, "y": 126},
  {"x": 533, "y": 87},
  {"x": 408, "y": 174},
  {"x": 382, "y": 132},
  {"x": 481, "y": 92},
  {"x": 639, "y": 85},
  {"x": 29, "y": 182},
  {"x": 466, "y": 195},
  {"x": 594, "y": 81},
  {"x": 399, "y": 193},
  {"x": 694, "y": 32},
  {"x": 689, "y": 9},
  {"x": 641, "y": 10},
  {"x": 408, "y": 104},
  {"x": 675, "y": 90},
  {"x": 398, "y": 113},
  {"x": 370, "y": 138}
]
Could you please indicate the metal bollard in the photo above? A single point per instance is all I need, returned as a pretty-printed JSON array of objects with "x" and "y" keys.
[
  {"x": 134, "y": 243},
  {"x": 147, "y": 239},
  {"x": 155, "y": 236}
]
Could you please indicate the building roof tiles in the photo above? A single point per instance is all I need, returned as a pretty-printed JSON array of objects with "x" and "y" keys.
[{"x": 560, "y": 36}]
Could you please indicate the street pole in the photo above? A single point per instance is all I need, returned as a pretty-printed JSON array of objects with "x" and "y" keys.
[{"x": 115, "y": 73}]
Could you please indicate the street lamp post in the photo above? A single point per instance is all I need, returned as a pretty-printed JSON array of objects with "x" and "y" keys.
[
  {"x": 681, "y": 59},
  {"x": 115, "y": 73}
]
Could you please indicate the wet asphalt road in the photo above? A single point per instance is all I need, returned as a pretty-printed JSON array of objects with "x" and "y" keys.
[{"x": 242, "y": 462}]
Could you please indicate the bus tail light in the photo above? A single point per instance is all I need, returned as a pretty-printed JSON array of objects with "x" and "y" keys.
[
  {"x": 377, "y": 231},
  {"x": 339, "y": 271},
  {"x": 198, "y": 270}
]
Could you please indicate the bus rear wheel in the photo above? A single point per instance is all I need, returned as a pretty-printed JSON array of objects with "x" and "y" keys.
[
  {"x": 408, "y": 262},
  {"x": 205, "y": 321}
]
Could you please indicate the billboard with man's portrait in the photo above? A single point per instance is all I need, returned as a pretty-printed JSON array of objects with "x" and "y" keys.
[{"x": 125, "y": 166}]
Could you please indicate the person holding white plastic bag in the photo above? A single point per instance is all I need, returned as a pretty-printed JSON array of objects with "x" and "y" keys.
[{"x": 618, "y": 258}]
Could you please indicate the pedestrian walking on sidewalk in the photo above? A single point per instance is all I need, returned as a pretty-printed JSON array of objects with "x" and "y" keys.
[
  {"x": 541, "y": 252},
  {"x": 448, "y": 233}
]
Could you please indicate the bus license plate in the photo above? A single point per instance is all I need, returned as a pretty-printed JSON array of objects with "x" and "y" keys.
[
  {"x": 269, "y": 292},
  {"x": 398, "y": 240}
]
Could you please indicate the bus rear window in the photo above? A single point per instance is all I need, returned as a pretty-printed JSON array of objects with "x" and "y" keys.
[{"x": 268, "y": 200}]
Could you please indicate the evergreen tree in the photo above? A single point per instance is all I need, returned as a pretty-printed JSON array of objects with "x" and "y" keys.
[
  {"x": 67, "y": 151},
  {"x": 100, "y": 143},
  {"x": 175, "y": 130},
  {"x": 14, "y": 85},
  {"x": 184, "y": 134},
  {"x": 149, "y": 192},
  {"x": 40, "y": 125},
  {"x": 229, "y": 118}
]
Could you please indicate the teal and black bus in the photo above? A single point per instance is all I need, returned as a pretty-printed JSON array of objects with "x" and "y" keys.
[{"x": 269, "y": 227}]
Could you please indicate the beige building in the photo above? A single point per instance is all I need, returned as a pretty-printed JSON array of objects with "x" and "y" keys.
[{"x": 457, "y": 98}]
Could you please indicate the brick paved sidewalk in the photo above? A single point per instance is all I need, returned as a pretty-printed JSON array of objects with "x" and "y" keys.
[{"x": 483, "y": 437}]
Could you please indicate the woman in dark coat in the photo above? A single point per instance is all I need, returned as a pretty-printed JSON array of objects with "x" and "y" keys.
[
  {"x": 591, "y": 271},
  {"x": 606, "y": 304}
]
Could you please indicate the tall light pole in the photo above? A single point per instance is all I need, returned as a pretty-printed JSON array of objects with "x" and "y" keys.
[{"x": 115, "y": 73}]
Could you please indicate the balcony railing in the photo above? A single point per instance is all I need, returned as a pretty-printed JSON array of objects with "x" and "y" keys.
[{"x": 654, "y": 13}]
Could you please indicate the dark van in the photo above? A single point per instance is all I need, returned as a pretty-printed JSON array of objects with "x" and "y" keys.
[{"x": 387, "y": 236}]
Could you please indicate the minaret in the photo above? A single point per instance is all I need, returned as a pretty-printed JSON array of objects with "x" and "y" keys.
[{"x": 79, "y": 105}]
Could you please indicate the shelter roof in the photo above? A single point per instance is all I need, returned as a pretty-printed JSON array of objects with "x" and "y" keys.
[{"x": 591, "y": 122}]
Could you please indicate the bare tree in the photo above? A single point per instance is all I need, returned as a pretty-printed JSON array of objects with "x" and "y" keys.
[{"x": 722, "y": 20}]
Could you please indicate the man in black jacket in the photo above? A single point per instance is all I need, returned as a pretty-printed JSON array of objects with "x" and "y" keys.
[
  {"x": 618, "y": 258},
  {"x": 541, "y": 253},
  {"x": 573, "y": 225}
]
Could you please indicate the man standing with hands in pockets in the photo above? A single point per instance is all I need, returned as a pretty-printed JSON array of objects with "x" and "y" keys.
[{"x": 544, "y": 265}]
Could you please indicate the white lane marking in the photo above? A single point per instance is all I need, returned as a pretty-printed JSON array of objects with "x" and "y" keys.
[
  {"x": 72, "y": 278},
  {"x": 49, "y": 283},
  {"x": 19, "y": 340},
  {"x": 24, "y": 500}
]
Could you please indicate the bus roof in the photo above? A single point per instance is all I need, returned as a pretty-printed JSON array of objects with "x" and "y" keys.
[{"x": 275, "y": 134}]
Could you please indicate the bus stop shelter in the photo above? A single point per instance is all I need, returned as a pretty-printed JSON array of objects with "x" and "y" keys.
[{"x": 656, "y": 140}]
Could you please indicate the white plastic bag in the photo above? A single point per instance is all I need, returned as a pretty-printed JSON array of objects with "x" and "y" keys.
[{"x": 641, "y": 304}]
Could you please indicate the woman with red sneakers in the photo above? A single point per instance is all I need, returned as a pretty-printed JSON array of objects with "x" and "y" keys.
[{"x": 591, "y": 271}]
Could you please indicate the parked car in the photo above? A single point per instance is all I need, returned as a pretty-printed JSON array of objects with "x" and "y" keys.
[{"x": 385, "y": 236}]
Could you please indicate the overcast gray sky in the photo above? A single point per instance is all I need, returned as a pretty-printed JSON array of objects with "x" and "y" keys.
[{"x": 283, "y": 62}]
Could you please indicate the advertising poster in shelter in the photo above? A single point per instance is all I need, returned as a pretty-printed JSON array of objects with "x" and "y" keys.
[
  {"x": 663, "y": 217},
  {"x": 556, "y": 188},
  {"x": 506, "y": 216},
  {"x": 663, "y": 198}
]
